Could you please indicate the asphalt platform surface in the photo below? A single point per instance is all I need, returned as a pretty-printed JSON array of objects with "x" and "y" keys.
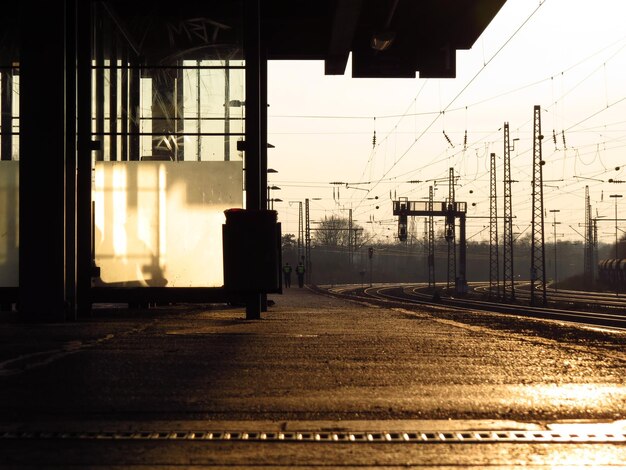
[{"x": 77, "y": 395}]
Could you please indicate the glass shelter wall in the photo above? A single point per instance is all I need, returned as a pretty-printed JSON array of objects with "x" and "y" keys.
[
  {"x": 168, "y": 110},
  {"x": 9, "y": 164},
  {"x": 168, "y": 119}
]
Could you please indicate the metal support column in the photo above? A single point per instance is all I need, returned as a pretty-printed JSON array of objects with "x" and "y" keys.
[
  {"x": 494, "y": 262},
  {"x": 253, "y": 156},
  {"x": 508, "y": 287},
  {"x": 263, "y": 142},
  {"x": 538, "y": 254},
  {"x": 263, "y": 127},
  {"x": 42, "y": 274},
  {"x": 70, "y": 160},
  {"x": 84, "y": 167}
]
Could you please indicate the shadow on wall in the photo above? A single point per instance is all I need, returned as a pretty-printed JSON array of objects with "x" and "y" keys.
[{"x": 160, "y": 223}]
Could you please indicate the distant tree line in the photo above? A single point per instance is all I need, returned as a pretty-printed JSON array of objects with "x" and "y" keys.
[{"x": 335, "y": 261}]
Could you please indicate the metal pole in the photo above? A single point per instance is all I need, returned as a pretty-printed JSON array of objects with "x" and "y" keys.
[
  {"x": 616, "y": 196},
  {"x": 252, "y": 54},
  {"x": 554, "y": 211},
  {"x": 555, "y": 268},
  {"x": 588, "y": 272},
  {"x": 350, "y": 237}
]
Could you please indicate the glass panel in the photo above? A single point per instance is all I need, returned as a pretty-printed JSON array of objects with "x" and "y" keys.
[
  {"x": 9, "y": 112},
  {"x": 9, "y": 223},
  {"x": 213, "y": 106},
  {"x": 160, "y": 223},
  {"x": 9, "y": 148},
  {"x": 168, "y": 105}
]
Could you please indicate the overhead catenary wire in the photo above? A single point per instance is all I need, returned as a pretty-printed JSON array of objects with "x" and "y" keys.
[
  {"x": 467, "y": 85},
  {"x": 580, "y": 155}
]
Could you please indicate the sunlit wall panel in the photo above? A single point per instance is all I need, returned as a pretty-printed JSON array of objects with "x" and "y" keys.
[{"x": 160, "y": 223}]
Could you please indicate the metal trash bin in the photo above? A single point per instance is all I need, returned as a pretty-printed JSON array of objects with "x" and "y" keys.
[{"x": 252, "y": 251}]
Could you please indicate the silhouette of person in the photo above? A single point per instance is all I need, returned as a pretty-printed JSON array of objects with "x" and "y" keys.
[
  {"x": 287, "y": 274},
  {"x": 300, "y": 272}
]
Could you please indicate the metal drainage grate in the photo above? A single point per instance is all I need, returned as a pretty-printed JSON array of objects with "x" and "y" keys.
[{"x": 365, "y": 437}]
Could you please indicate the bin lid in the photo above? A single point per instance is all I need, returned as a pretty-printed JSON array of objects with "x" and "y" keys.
[{"x": 251, "y": 215}]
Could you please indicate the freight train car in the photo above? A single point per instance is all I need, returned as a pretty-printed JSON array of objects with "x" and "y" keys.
[{"x": 612, "y": 273}]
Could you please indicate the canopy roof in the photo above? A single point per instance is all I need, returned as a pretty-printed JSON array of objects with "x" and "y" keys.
[{"x": 387, "y": 38}]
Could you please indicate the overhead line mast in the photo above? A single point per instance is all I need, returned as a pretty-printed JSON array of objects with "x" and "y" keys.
[
  {"x": 307, "y": 241},
  {"x": 450, "y": 231},
  {"x": 538, "y": 254},
  {"x": 508, "y": 290},
  {"x": 431, "y": 241},
  {"x": 300, "y": 232},
  {"x": 494, "y": 261}
]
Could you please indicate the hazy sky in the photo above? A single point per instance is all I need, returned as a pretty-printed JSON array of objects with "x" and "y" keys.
[{"x": 568, "y": 56}]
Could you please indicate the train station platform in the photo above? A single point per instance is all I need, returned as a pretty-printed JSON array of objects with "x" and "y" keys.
[{"x": 191, "y": 386}]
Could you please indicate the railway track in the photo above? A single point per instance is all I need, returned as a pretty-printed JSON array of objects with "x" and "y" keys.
[
  {"x": 565, "y": 298},
  {"x": 413, "y": 295}
]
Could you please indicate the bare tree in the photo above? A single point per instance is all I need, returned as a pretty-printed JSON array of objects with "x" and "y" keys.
[{"x": 333, "y": 231}]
